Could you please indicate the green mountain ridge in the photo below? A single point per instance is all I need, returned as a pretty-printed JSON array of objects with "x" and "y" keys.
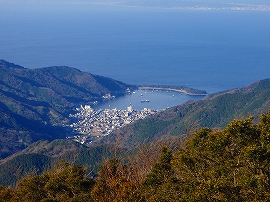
[
  {"x": 43, "y": 155},
  {"x": 214, "y": 111},
  {"x": 35, "y": 103}
]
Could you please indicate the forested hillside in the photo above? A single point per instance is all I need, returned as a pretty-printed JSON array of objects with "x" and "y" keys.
[
  {"x": 232, "y": 164},
  {"x": 43, "y": 155},
  {"x": 34, "y": 103},
  {"x": 214, "y": 111}
]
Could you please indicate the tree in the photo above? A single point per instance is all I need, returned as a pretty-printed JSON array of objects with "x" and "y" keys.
[
  {"x": 64, "y": 183},
  {"x": 227, "y": 165},
  {"x": 114, "y": 183},
  {"x": 6, "y": 194},
  {"x": 232, "y": 164},
  {"x": 161, "y": 184}
]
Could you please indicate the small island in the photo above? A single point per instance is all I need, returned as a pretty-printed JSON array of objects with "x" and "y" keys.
[{"x": 181, "y": 89}]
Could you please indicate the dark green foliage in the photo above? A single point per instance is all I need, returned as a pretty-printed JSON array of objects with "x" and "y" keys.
[
  {"x": 228, "y": 165},
  {"x": 92, "y": 158},
  {"x": 147, "y": 129},
  {"x": 64, "y": 183},
  {"x": 15, "y": 169},
  {"x": 161, "y": 171},
  {"x": 232, "y": 164},
  {"x": 160, "y": 179},
  {"x": 44, "y": 154}
]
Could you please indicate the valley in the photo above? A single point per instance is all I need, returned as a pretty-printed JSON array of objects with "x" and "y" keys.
[{"x": 47, "y": 115}]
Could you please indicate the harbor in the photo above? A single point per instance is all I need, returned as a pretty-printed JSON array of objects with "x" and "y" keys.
[
  {"x": 148, "y": 98},
  {"x": 101, "y": 119}
]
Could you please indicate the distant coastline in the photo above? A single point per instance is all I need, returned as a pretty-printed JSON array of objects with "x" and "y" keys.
[{"x": 181, "y": 89}]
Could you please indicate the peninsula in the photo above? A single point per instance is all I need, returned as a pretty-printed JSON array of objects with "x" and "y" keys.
[{"x": 181, "y": 89}]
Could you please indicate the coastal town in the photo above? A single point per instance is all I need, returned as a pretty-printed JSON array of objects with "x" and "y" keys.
[{"x": 90, "y": 124}]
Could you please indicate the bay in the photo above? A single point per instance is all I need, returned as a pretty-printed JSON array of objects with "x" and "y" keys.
[{"x": 150, "y": 99}]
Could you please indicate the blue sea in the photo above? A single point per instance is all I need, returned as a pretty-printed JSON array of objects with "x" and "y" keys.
[
  {"x": 208, "y": 50},
  {"x": 153, "y": 99}
]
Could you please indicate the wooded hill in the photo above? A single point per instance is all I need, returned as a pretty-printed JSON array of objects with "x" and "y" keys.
[
  {"x": 214, "y": 111},
  {"x": 33, "y": 102},
  {"x": 232, "y": 164},
  {"x": 43, "y": 155}
]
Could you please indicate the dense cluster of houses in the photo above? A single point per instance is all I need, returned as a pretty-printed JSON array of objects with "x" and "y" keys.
[{"x": 91, "y": 124}]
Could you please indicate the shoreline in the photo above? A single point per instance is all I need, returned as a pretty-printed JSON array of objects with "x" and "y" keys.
[{"x": 169, "y": 89}]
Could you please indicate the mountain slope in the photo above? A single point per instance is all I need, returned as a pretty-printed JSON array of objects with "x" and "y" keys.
[
  {"x": 34, "y": 103},
  {"x": 214, "y": 111},
  {"x": 43, "y": 155}
]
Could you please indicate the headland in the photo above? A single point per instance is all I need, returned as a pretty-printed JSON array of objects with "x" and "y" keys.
[{"x": 180, "y": 89}]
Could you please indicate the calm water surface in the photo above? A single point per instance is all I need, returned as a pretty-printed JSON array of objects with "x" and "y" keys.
[
  {"x": 209, "y": 50},
  {"x": 158, "y": 100}
]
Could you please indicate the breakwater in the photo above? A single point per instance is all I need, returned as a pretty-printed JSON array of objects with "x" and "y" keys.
[{"x": 188, "y": 91}]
